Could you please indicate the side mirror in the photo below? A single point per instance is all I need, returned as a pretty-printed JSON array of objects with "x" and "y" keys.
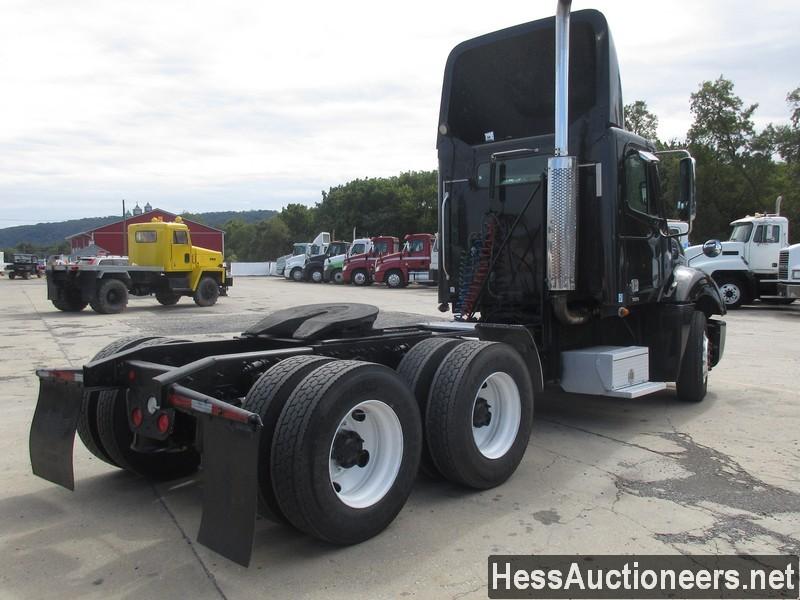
[
  {"x": 712, "y": 248},
  {"x": 687, "y": 204}
]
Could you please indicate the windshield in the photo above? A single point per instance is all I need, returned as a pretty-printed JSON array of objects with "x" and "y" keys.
[
  {"x": 299, "y": 249},
  {"x": 357, "y": 249},
  {"x": 381, "y": 247},
  {"x": 741, "y": 232}
]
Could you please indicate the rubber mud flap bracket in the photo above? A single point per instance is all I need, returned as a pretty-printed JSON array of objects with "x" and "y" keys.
[
  {"x": 230, "y": 488},
  {"x": 53, "y": 428}
]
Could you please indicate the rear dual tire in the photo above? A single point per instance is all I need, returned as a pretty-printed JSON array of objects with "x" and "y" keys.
[
  {"x": 111, "y": 297},
  {"x": 346, "y": 451},
  {"x": 479, "y": 414}
]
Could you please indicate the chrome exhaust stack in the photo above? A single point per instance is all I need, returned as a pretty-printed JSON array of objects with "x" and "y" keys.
[{"x": 562, "y": 173}]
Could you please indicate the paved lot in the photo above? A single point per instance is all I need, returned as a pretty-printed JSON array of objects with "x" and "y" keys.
[{"x": 600, "y": 476}]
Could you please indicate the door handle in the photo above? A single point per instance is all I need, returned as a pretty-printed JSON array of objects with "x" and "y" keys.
[{"x": 186, "y": 257}]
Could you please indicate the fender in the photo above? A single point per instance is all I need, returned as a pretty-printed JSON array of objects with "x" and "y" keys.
[
  {"x": 690, "y": 285},
  {"x": 521, "y": 339}
]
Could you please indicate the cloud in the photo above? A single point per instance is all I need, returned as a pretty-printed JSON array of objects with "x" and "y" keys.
[{"x": 204, "y": 105}]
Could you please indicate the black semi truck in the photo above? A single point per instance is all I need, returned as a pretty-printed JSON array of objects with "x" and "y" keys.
[{"x": 556, "y": 260}]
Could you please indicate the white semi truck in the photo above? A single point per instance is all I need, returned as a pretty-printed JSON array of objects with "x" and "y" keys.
[
  {"x": 789, "y": 273},
  {"x": 746, "y": 266},
  {"x": 294, "y": 265}
]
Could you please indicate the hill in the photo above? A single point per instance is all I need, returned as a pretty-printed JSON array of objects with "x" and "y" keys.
[{"x": 49, "y": 234}]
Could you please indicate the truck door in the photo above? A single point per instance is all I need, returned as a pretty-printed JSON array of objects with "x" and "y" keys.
[
  {"x": 642, "y": 245},
  {"x": 765, "y": 248},
  {"x": 181, "y": 251}
]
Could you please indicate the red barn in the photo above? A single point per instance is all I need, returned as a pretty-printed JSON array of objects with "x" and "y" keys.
[{"x": 111, "y": 237}]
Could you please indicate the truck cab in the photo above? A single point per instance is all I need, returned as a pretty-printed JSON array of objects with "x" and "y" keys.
[
  {"x": 334, "y": 265},
  {"x": 417, "y": 261},
  {"x": 359, "y": 267},
  {"x": 314, "y": 269},
  {"x": 746, "y": 269},
  {"x": 23, "y": 266},
  {"x": 789, "y": 274},
  {"x": 294, "y": 266}
]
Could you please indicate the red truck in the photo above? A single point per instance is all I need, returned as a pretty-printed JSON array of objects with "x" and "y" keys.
[
  {"x": 418, "y": 261},
  {"x": 358, "y": 268}
]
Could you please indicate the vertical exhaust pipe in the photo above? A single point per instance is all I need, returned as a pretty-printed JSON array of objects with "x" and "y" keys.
[
  {"x": 562, "y": 172},
  {"x": 562, "y": 187},
  {"x": 778, "y": 201}
]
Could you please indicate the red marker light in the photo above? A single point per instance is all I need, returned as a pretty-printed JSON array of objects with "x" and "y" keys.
[
  {"x": 137, "y": 417},
  {"x": 162, "y": 423},
  {"x": 131, "y": 375}
]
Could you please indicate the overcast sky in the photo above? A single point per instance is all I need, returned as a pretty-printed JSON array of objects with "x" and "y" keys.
[{"x": 253, "y": 104}]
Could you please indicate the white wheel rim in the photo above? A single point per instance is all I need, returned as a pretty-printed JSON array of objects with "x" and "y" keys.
[
  {"x": 705, "y": 358},
  {"x": 382, "y": 437},
  {"x": 394, "y": 280},
  {"x": 297, "y": 275},
  {"x": 500, "y": 394},
  {"x": 338, "y": 277},
  {"x": 730, "y": 293},
  {"x": 316, "y": 276},
  {"x": 359, "y": 278}
]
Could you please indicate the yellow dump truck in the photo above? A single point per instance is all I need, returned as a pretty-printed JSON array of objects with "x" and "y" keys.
[{"x": 161, "y": 261}]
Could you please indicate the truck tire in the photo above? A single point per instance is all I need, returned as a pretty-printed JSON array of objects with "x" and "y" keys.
[
  {"x": 70, "y": 303},
  {"x": 116, "y": 438},
  {"x": 315, "y": 275},
  {"x": 267, "y": 398},
  {"x": 38, "y": 274},
  {"x": 12, "y": 275},
  {"x": 360, "y": 277},
  {"x": 732, "y": 290},
  {"x": 337, "y": 277},
  {"x": 479, "y": 414},
  {"x": 297, "y": 274},
  {"x": 167, "y": 298},
  {"x": 26, "y": 276},
  {"x": 692, "y": 380},
  {"x": 329, "y": 480},
  {"x": 417, "y": 369},
  {"x": 87, "y": 420},
  {"x": 394, "y": 279},
  {"x": 111, "y": 297},
  {"x": 207, "y": 292}
]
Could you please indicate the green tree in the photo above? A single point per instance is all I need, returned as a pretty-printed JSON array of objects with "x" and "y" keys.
[
  {"x": 639, "y": 120},
  {"x": 299, "y": 220}
]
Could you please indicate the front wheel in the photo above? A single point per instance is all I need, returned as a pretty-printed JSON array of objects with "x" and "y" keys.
[
  {"x": 297, "y": 274},
  {"x": 692, "y": 382},
  {"x": 346, "y": 451},
  {"x": 394, "y": 279},
  {"x": 12, "y": 275},
  {"x": 360, "y": 278},
  {"x": 337, "y": 277},
  {"x": 207, "y": 292},
  {"x": 733, "y": 293},
  {"x": 316, "y": 276}
]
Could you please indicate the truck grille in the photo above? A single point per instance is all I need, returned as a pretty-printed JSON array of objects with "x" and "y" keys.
[{"x": 783, "y": 265}]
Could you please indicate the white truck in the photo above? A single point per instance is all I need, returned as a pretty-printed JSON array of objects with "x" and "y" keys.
[
  {"x": 789, "y": 273},
  {"x": 294, "y": 265},
  {"x": 746, "y": 266}
]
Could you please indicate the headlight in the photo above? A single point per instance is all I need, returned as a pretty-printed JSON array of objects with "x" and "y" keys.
[{"x": 795, "y": 273}]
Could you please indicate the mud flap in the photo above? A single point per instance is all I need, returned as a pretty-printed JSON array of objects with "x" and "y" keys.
[
  {"x": 230, "y": 488},
  {"x": 53, "y": 430}
]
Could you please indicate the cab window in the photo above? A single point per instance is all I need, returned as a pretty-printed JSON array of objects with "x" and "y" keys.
[
  {"x": 415, "y": 246},
  {"x": 637, "y": 193},
  {"x": 180, "y": 237},
  {"x": 741, "y": 232},
  {"x": 767, "y": 234},
  {"x": 357, "y": 249},
  {"x": 146, "y": 237}
]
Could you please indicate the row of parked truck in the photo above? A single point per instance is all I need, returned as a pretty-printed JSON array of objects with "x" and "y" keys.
[{"x": 380, "y": 259}]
